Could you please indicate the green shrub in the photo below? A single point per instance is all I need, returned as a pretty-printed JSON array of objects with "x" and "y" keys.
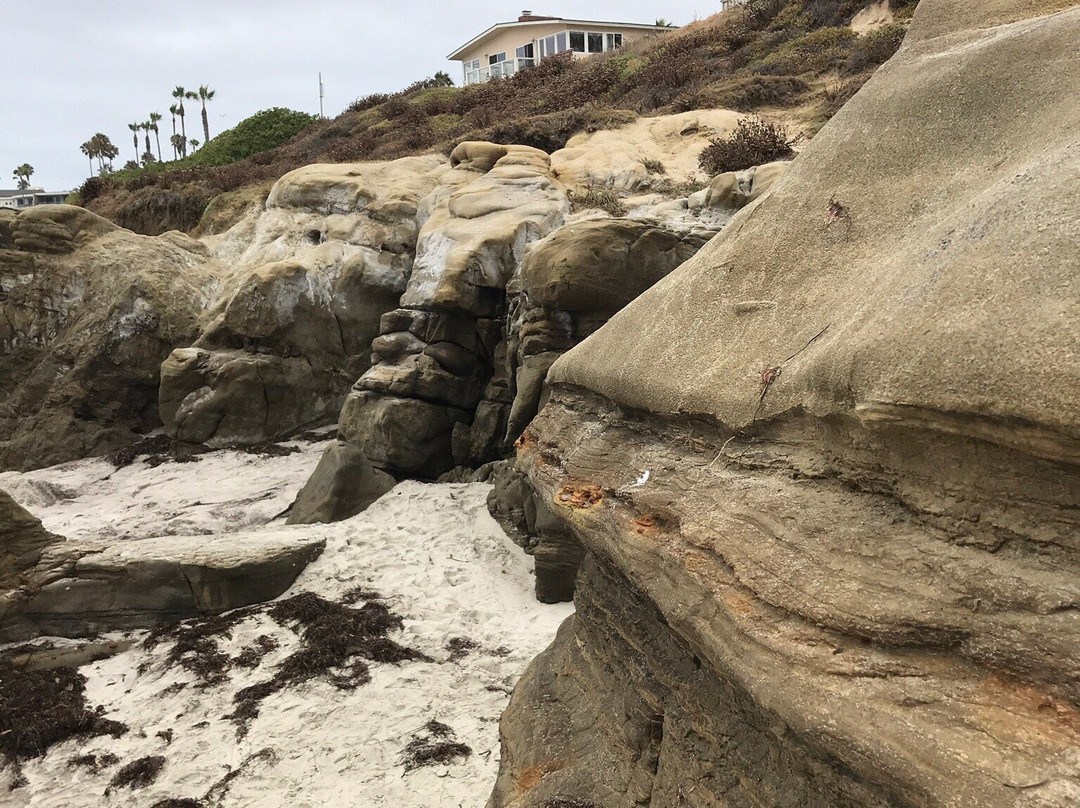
[
  {"x": 753, "y": 142},
  {"x": 816, "y": 51},
  {"x": 261, "y": 132}
]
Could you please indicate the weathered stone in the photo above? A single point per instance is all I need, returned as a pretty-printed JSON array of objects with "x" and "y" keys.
[
  {"x": 494, "y": 201},
  {"x": 342, "y": 485},
  {"x": 22, "y": 542},
  {"x": 88, "y": 312},
  {"x": 81, "y": 589},
  {"x": 403, "y": 436},
  {"x": 318, "y": 268},
  {"x": 830, "y": 515}
]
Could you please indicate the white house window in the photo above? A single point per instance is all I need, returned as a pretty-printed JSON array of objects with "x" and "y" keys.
[
  {"x": 498, "y": 57},
  {"x": 596, "y": 43},
  {"x": 577, "y": 41},
  {"x": 614, "y": 41},
  {"x": 525, "y": 52},
  {"x": 560, "y": 42}
]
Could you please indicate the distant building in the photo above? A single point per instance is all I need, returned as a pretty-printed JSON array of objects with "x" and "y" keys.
[
  {"x": 509, "y": 47},
  {"x": 725, "y": 5},
  {"x": 30, "y": 197}
]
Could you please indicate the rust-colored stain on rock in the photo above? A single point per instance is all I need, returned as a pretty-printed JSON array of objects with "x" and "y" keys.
[
  {"x": 530, "y": 778},
  {"x": 579, "y": 496}
]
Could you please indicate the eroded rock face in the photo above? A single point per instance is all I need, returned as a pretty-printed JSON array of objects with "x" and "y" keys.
[
  {"x": 626, "y": 158},
  {"x": 87, "y": 312},
  {"x": 430, "y": 398},
  {"x": 329, "y": 255},
  {"x": 79, "y": 589},
  {"x": 22, "y": 542},
  {"x": 829, "y": 513},
  {"x": 570, "y": 284},
  {"x": 49, "y": 585}
]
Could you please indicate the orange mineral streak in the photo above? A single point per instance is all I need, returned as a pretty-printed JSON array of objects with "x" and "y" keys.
[
  {"x": 643, "y": 523},
  {"x": 530, "y": 778},
  {"x": 579, "y": 496}
]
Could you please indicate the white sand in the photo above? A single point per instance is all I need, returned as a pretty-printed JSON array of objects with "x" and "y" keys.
[{"x": 432, "y": 551}]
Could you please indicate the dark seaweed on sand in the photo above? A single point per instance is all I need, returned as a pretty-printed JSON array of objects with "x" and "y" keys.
[{"x": 336, "y": 643}]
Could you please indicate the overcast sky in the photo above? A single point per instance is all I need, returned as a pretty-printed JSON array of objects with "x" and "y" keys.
[{"x": 70, "y": 68}]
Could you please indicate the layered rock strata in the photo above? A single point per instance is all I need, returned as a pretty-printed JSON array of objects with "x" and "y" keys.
[
  {"x": 569, "y": 285},
  {"x": 430, "y": 398},
  {"x": 80, "y": 588},
  {"x": 829, "y": 513},
  {"x": 314, "y": 273},
  {"x": 88, "y": 311}
]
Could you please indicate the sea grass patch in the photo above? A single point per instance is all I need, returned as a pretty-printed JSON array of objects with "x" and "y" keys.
[
  {"x": 137, "y": 774},
  {"x": 39, "y": 708},
  {"x": 433, "y": 744},
  {"x": 336, "y": 643}
]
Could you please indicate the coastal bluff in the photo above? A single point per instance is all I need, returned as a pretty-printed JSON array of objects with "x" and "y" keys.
[{"x": 824, "y": 476}]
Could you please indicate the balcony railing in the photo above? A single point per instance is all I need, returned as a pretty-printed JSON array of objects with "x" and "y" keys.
[{"x": 499, "y": 70}]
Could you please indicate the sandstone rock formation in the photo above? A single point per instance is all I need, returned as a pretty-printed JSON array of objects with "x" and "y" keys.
[
  {"x": 342, "y": 485},
  {"x": 87, "y": 312},
  {"x": 826, "y": 474},
  {"x": 22, "y": 542},
  {"x": 75, "y": 589},
  {"x": 430, "y": 400},
  {"x": 619, "y": 158},
  {"x": 314, "y": 272},
  {"x": 569, "y": 285}
]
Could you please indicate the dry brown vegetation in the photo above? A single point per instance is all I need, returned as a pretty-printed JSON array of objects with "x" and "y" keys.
[
  {"x": 770, "y": 55},
  {"x": 41, "y": 707}
]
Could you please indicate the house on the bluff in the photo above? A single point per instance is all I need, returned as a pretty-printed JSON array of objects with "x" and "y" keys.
[
  {"x": 508, "y": 47},
  {"x": 27, "y": 198}
]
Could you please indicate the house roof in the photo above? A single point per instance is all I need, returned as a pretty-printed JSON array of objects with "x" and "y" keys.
[{"x": 534, "y": 20}]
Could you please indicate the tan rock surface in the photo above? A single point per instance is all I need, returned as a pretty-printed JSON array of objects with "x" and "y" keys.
[
  {"x": 829, "y": 509},
  {"x": 433, "y": 398},
  {"x": 614, "y": 158},
  {"x": 329, "y": 255}
]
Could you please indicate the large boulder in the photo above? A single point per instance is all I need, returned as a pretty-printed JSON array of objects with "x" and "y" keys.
[
  {"x": 829, "y": 511},
  {"x": 80, "y": 589},
  {"x": 432, "y": 399},
  {"x": 342, "y": 485},
  {"x": 88, "y": 311},
  {"x": 315, "y": 271},
  {"x": 22, "y": 542}
]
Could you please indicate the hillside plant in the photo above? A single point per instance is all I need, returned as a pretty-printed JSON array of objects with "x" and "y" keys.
[
  {"x": 759, "y": 58},
  {"x": 754, "y": 141}
]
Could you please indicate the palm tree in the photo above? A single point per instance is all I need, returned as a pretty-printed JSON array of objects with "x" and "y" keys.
[
  {"x": 194, "y": 144},
  {"x": 145, "y": 126},
  {"x": 154, "y": 118},
  {"x": 22, "y": 174},
  {"x": 90, "y": 150},
  {"x": 177, "y": 142},
  {"x": 134, "y": 127},
  {"x": 205, "y": 94},
  {"x": 180, "y": 94},
  {"x": 148, "y": 158},
  {"x": 174, "y": 110},
  {"x": 105, "y": 150}
]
